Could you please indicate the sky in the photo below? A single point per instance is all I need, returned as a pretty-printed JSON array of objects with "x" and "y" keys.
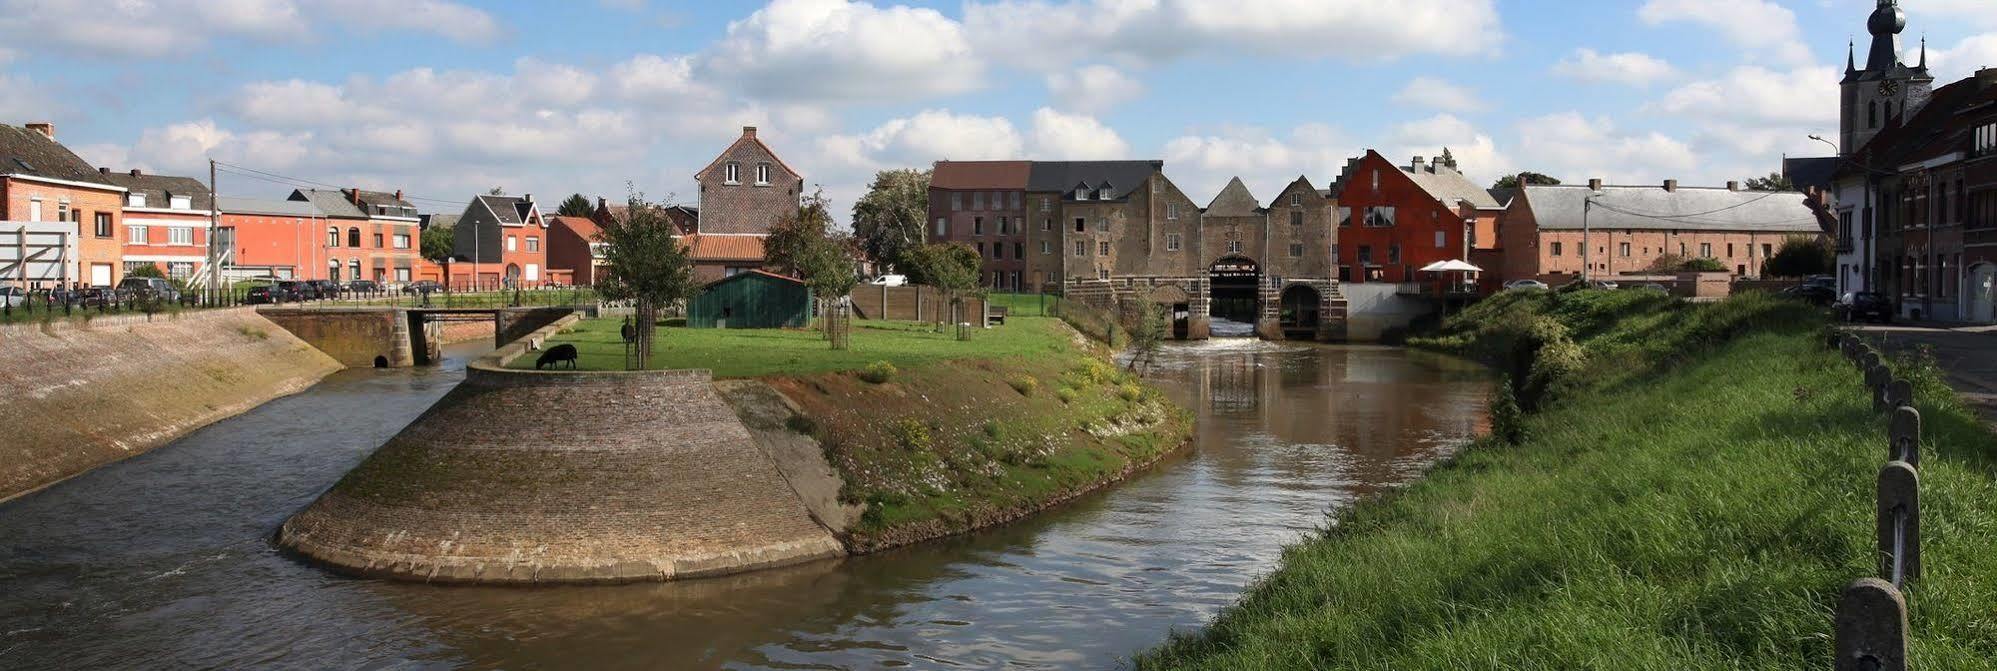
[{"x": 445, "y": 100}]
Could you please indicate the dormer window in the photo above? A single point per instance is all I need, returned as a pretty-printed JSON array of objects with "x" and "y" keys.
[
  {"x": 135, "y": 200},
  {"x": 731, "y": 173},
  {"x": 1986, "y": 138},
  {"x": 762, "y": 174},
  {"x": 1104, "y": 192},
  {"x": 1081, "y": 193},
  {"x": 180, "y": 202}
]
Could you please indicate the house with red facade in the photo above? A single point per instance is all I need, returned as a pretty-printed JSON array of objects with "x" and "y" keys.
[
  {"x": 573, "y": 249},
  {"x": 48, "y": 190},
  {"x": 502, "y": 241},
  {"x": 166, "y": 223},
  {"x": 370, "y": 235},
  {"x": 1395, "y": 219}
]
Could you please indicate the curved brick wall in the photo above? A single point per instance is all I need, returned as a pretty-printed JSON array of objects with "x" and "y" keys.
[
  {"x": 523, "y": 476},
  {"x": 78, "y": 394}
]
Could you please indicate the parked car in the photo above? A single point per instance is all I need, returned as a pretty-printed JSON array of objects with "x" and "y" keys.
[
  {"x": 1814, "y": 294},
  {"x": 1526, "y": 284},
  {"x": 1577, "y": 285},
  {"x": 364, "y": 287},
  {"x": 263, "y": 294},
  {"x": 148, "y": 288},
  {"x": 422, "y": 287},
  {"x": 1649, "y": 286},
  {"x": 296, "y": 290},
  {"x": 91, "y": 297},
  {"x": 325, "y": 288},
  {"x": 12, "y": 296},
  {"x": 890, "y": 281},
  {"x": 1863, "y": 305}
]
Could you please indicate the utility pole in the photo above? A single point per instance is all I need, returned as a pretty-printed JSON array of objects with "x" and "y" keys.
[
  {"x": 214, "y": 229},
  {"x": 1587, "y": 204}
]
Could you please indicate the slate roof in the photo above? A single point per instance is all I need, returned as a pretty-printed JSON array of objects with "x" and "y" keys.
[
  {"x": 1064, "y": 176},
  {"x": 1006, "y": 175},
  {"x": 1503, "y": 197},
  {"x": 1451, "y": 187},
  {"x": 279, "y": 208},
  {"x": 158, "y": 188},
  {"x": 510, "y": 209},
  {"x": 1234, "y": 200},
  {"x": 31, "y": 154},
  {"x": 1653, "y": 208},
  {"x": 339, "y": 204}
]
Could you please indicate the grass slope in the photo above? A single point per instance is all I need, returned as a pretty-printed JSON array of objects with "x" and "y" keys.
[
  {"x": 1699, "y": 501},
  {"x": 742, "y": 353}
]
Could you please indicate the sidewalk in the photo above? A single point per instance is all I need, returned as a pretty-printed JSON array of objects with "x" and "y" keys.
[{"x": 1966, "y": 355}]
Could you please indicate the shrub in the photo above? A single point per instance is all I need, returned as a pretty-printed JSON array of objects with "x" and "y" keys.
[
  {"x": 1024, "y": 384},
  {"x": 1067, "y": 395},
  {"x": 1705, "y": 264},
  {"x": 1130, "y": 392},
  {"x": 801, "y": 424},
  {"x": 911, "y": 434},
  {"x": 1507, "y": 419},
  {"x": 878, "y": 372},
  {"x": 992, "y": 429},
  {"x": 1096, "y": 372}
]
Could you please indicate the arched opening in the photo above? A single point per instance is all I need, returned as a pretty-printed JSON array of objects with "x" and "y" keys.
[
  {"x": 353, "y": 237},
  {"x": 1235, "y": 282},
  {"x": 1178, "y": 306},
  {"x": 381, "y": 362},
  {"x": 1299, "y": 316},
  {"x": 1982, "y": 293}
]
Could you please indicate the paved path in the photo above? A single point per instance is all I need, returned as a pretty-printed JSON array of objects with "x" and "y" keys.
[{"x": 1967, "y": 357}]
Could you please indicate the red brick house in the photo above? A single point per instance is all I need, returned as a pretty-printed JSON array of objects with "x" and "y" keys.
[
  {"x": 982, "y": 204},
  {"x": 573, "y": 248},
  {"x": 272, "y": 238},
  {"x": 370, "y": 235},
  {"x": 1392, "y": 219},
  {"x": 1552, "y": 232},
  {"x": 167, "y": 221},
  {"x": 502, "y": 241},
  {"x": 747, "y": 189},
  {"x": 41, "y": 182}
]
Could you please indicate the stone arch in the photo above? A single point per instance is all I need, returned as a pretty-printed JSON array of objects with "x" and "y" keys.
[{"x": 1302, "y": 309}]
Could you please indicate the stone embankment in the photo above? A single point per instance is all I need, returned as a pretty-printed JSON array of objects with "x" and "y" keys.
[
  {"x": 80, "y": 394},
  {"x": 544, "y": 477}
]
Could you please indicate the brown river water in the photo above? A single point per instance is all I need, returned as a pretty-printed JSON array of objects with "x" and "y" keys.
[{"x": 166, "y": 561}]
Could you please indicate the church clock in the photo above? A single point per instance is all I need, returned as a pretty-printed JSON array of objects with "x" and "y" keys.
[{"x": 1889, "y": 88}]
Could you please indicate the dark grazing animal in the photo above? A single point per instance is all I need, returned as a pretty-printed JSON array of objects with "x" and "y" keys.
[{"x": 556, "y": 355}]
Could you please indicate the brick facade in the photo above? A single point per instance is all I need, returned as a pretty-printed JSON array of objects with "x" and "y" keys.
[{"x": 747, "y": 189}]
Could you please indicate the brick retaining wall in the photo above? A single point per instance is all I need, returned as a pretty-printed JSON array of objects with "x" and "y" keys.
[{"x": 75, "y": 395}]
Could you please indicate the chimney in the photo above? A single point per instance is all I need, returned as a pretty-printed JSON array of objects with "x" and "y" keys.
[
  {"x": 136, "y": 173},
  {"x": 1418, "y": 164},
  {"x": 749, "y": 131},
  {"x": 103, "y": 171},
  {"x": 356, "y": 197},
  {"x": 47, "y": 129},
  {"x": 602, "y": 204},
  {"x": 1733, "y": 186},
  {"x": 528, "y": 197},
  {"x": 1671, "y": 185},
  {"x": 1595, "y": 184},
  {"x": 398, "y": 194}
]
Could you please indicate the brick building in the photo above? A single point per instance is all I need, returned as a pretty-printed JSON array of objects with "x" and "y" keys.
[
  {"x": 1550, "y": 233},
  {"x": 981, "y": 204},
  {"x": 1393, "y": 220},
  {"x": 42, "y": 181},
  {"x": 573, "y": 248},
  {"x": 369, "y": 235},
  {"x": 272, "y": 238},
  {"x": 502, "y": 241},
  {"x": 746, "y": 189},
  {"x": 166, "y": 223}
]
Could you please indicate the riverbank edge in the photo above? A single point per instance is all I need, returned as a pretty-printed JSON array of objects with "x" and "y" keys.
[{"x": 154, "y": 430}]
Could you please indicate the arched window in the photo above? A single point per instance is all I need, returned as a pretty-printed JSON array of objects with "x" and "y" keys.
[
  {"x": 332, "y": 237},
  {"x": 1872, "y": 115},
  {"x": 354, "y": 237},
  {"x": 333, "y": 269},
  {"x": 354, "y": 269}
]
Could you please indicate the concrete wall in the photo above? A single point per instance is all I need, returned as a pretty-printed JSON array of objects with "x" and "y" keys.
[
  {"x": 1373, "y": 309},
  {"x": 76, "y": 395},
  {"x": 355, "y": 337},
  {"x": 533, "y": 477}
]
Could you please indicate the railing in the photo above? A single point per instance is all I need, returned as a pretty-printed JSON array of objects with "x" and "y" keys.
[
  {"x": 1870, "y": 630},
  {"x": 43, "y": 305}
]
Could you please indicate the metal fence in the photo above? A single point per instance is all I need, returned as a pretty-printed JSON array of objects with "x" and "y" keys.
[
  {"x": 1871, "y": 621},
  {"x": 47, "y": 304}
]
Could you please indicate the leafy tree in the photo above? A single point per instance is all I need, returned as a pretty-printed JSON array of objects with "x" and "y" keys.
[
  {"x": 1148, "y": 330},
  {"x": 1704, "y": 265},
  {"x": 1530, "y": 179},
  {"x": 576, "y": 206},
  {"x": 888, "y": 221},
  {"x": 496, "y": 191},
  {"x": 1801, "y": 256},
  {"x": 950, "y": 267},
  {"x": 1775, "y": 181},
  {"x": 1667, "y": 263},
  {"x": 148, "y": 270},
  {"x": 438, "y": 242},
  {"x": 796, "y": 237},
  {"x": 646, "y": 264}
]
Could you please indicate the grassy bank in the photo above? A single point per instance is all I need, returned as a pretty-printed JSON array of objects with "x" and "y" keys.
[
  {"x": 1695, "y": 493},
  {"x": 739, "y": 353}
]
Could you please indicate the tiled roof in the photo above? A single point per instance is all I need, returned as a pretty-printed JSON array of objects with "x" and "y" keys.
[
  {"x": 1003, "y": 175},
  {"x": 1451, "y": 187},
  {"x": 724, "y": 247},
  {"x": 159, "y": 188},
  {"x": 32, "y": 154},
  {"x": 1065, "y": 176},
  {"x": 583, "y": 226},
  {"x": 1653, "y": 208}
]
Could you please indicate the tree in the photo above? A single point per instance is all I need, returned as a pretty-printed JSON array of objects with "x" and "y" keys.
[
  {"x": 804, "y": 246},
  {"x": 575, "y": 206},
  {"x": 1704, "y": 264},
  {"x": 438, "y": 242},
  {"x": 496, "y": 191},
  {"x": 888, "y": 221},
  {"x": 1530, "y": 179},
  {"x": 645, "y": 263},
  {"x": 1801, "y": 256},
  {"x": 950, "y": 267},
  {"x": 1775, "y": 181},
  {"x": 147, "y": 270},
  {"x": 1148, "y": 331}
]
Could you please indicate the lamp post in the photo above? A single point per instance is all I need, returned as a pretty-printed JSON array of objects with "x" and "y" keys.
[
  {"x": 1868, "y": 223},
  {"x": 1587, "y": 204}
]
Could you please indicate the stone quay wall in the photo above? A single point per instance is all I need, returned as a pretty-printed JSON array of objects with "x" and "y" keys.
[
  {"x": 355, "y": 337},
  {"x": 559, "y": 477},
  {"x": 75, "y": 395}
]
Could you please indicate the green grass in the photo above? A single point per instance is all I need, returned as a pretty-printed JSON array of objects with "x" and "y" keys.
[
  {"x": 1700, "y": 501},
  {"x": 1022, "y": 305},
  {"x": 738, "y": 353}
]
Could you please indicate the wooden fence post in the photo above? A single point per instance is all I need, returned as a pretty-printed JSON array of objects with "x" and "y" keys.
[
  {"x": 1899, "y": 523},
  {"x": 1871, "y": 629},
  {"x": 1906, "y": 437}
]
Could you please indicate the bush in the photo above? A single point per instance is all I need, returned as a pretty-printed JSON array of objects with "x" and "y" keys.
[
  {"x": 1096, "y": 372},
  {"x": 911, "y": 434},
  {"x": 1130, "y": 392},
  {"x": 878, "y": 372},
  {"x": 1708, "y": 265},
  {"x": 1507, "y": 419},
  {"x": 1024, "y": 384},
  {"x": 802, "y": 425},
  {"x": 1066, "y": 395}
]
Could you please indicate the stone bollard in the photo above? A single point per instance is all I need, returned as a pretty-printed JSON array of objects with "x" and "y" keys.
[
  {"x": 1851, "y": 349},
  {"x": 1899, "y": 523},
  {"x": 1899, "y": 393},
  {"x": 1871, "y": 629},
  {"x": 1876, "y": 380},
  {"x": 1905, "y": 437}
]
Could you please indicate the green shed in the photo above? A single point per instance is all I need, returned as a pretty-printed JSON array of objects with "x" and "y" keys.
[{"x": 751, "y": 300}]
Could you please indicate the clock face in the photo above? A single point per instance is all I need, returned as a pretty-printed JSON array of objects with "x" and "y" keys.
[{"x": 1889, "y": 88}]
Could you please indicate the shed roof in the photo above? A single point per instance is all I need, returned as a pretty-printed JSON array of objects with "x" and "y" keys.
[{"x": 1688, "y": 208}]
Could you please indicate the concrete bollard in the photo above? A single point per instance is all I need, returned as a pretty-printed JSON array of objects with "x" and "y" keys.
[
  {"x": 1905, "y": 437},
  {"x": 1851, "y": 349},
  {"x": 1899, "y": 522},
  {"x": 1876, "y": 380},
  {"x": 1871, "y": 629},
  {"x": 1899, "y": 393}
]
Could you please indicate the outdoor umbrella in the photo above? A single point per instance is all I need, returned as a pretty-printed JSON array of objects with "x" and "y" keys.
[{"x": 1451, "y": 265}]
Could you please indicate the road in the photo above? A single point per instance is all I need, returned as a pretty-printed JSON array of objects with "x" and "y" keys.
[{"x": 1967, "y": 357}]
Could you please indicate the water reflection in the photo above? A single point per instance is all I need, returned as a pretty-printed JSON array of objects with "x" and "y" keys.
[{"x": 1286, "y": 433}]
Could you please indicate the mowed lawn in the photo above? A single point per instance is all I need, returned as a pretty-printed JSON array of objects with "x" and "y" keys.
[{"x": 742, "y": 353}]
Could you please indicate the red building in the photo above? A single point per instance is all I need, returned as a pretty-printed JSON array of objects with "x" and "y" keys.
[
  {"x": 573, "y": 249},
  {"x": 272, "y": 238},
  {"x": 166, "y": 222},
  {"x": 502, "y": 241},
  {"x": 1395, "y": 219}
]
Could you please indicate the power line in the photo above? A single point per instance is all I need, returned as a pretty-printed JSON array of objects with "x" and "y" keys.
[
  {"x": 1681, "y": 219},
  {"x": 300, "y": 182}
]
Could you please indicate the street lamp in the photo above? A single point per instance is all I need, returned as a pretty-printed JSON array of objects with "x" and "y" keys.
[{"x": 1587, "y": 263}]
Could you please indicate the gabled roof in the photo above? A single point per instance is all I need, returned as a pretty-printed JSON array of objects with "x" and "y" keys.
[
  {"x": 1234, "y": 200},
  {"x": 1451, "y": 187},
  {"x": 29, "y": 153},
  {"x": 582, "y": 226},
  {"x": 1063, "y": 176},
  {"x": 508, "y": 209},
  {"x": 1001, "y": 175},
  {"x": 748, "y": 137},
  {"x": 1653, "y": 208},
  {"x": 277, "y": 208},
  {"x": 159, "y": 189},
  {"x": 724, "y": 247}
]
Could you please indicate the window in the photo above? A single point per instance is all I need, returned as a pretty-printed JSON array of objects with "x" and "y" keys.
[
  {"x": 135, "y": 234},
  {"x": 998, "y": 250},
  {"x": 35, "y": 209},
  {"x": 1393, "y": 254},
  {"x": 1019, "y": 250},
  {"x": 1624, "y": 249},
  {"x": 179, "y": 235},
  {"x": 1081, "y": 193},
  {"x": 1767, "y": 250},
  {"x": 1986, "y": 139},
  {"x": 943, "y": 226},
  {"x": 1172, "y": 242},
  {"x": 731, "y": 174},
  {"x": 1441, "y": 240},
  {"x": 402, "y": 274},
  {"x": 1730, "y": 250},
  {"x": 981, "y": 250},
  {"x": 1047, "y": 224},
  {"x": 62, "y": 211},
  {"x": 377, "y": 241},
  {"x": 1102, "y": 273},
  {"x": 180, "y": 202},
  {"x": 1234, "y": 246},
  {"x": 977, "y": 200},
  {"x": 977, "y": 223},
  {"x": 1296, "y": 200},
  {"x": 1015, "y": 200},
  {"x": 103, "y": 223},
  {"x": 354, "y": 237},
  {"x": 1557, "y": 249},
  {"x": 1171, "y": 210},
  {"x": 1102, "y": 224},
  {"x": 1296, "y": 218},
  {"x": 1102, "y": 248},
  {"x": 1046, "y": 204},
  {"x": 1104, "y": 193},
  {"x": 1706, "y": 249},
  {"x": 1344, "y": 217},
  {"x": 1081, "y": 248},
  {"x": 1380, "y": 217},
  {"x": 1046, "y": 247},
  {"x": 1081, "y": 224},
  {"x": 332, "y": 237},
  {"x": 402, "y": 242},
  {"x": 1296, "y": 249},
  {"x": 180, "y": 269},
  {"x": 1366, "y": 253},
  {"x": 533, "y": 243},
  {"x": 762, "y": 174},
  {"x": 956, "y": 201},
  {"x": 1376, "y": 180},
  {"x": 354, "y": 269},
  {"x": 1003, "y": 228}
]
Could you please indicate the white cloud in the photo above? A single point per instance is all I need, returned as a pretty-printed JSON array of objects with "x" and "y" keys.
[
  {"x": 1630, "y": 68},
  {"x": 1975, "y": 12},
  {"x": 164, "y": 27},
  {"x": 1074, "y": 137},
  {"x": 1575, "y": 148},
  {"x": 1202, "y": 163},
  {"x": 929, "y": 135},
  {"x": 1756, "y": 26},
  {"x": 1092, "y": 89},
  {"x": 1432, "y": 93},
  {"x": 1968, "y": 56},
  {"x": 836, "y": 50},
  {"x": 1476, "y": 153},
  {"x": 1755, "y": 96},
  {"x": 655, "y": 78},
  {"x": 1051, "y": 34},
  {"x": 26, "y": 100}
]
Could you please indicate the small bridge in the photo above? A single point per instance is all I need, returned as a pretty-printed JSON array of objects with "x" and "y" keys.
[{"x": 383, "y": 337}]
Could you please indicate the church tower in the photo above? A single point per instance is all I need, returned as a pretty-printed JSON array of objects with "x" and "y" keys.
[{"x": 1887, "y": 91}]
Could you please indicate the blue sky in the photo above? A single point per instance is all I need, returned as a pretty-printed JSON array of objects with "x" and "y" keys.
[{"x": 447, "y": 99}]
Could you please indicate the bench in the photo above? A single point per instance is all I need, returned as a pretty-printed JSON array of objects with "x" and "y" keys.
[{"x": 997, "y": 314}]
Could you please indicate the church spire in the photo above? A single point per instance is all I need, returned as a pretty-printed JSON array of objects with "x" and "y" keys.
[
  {"x": 1924, "y": 53},
  {"x": 1850, "y": 56},
  {"x": 1885, "y": 25}
]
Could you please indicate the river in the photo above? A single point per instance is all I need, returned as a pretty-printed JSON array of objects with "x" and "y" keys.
[{"x": 165, "y": 560}]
